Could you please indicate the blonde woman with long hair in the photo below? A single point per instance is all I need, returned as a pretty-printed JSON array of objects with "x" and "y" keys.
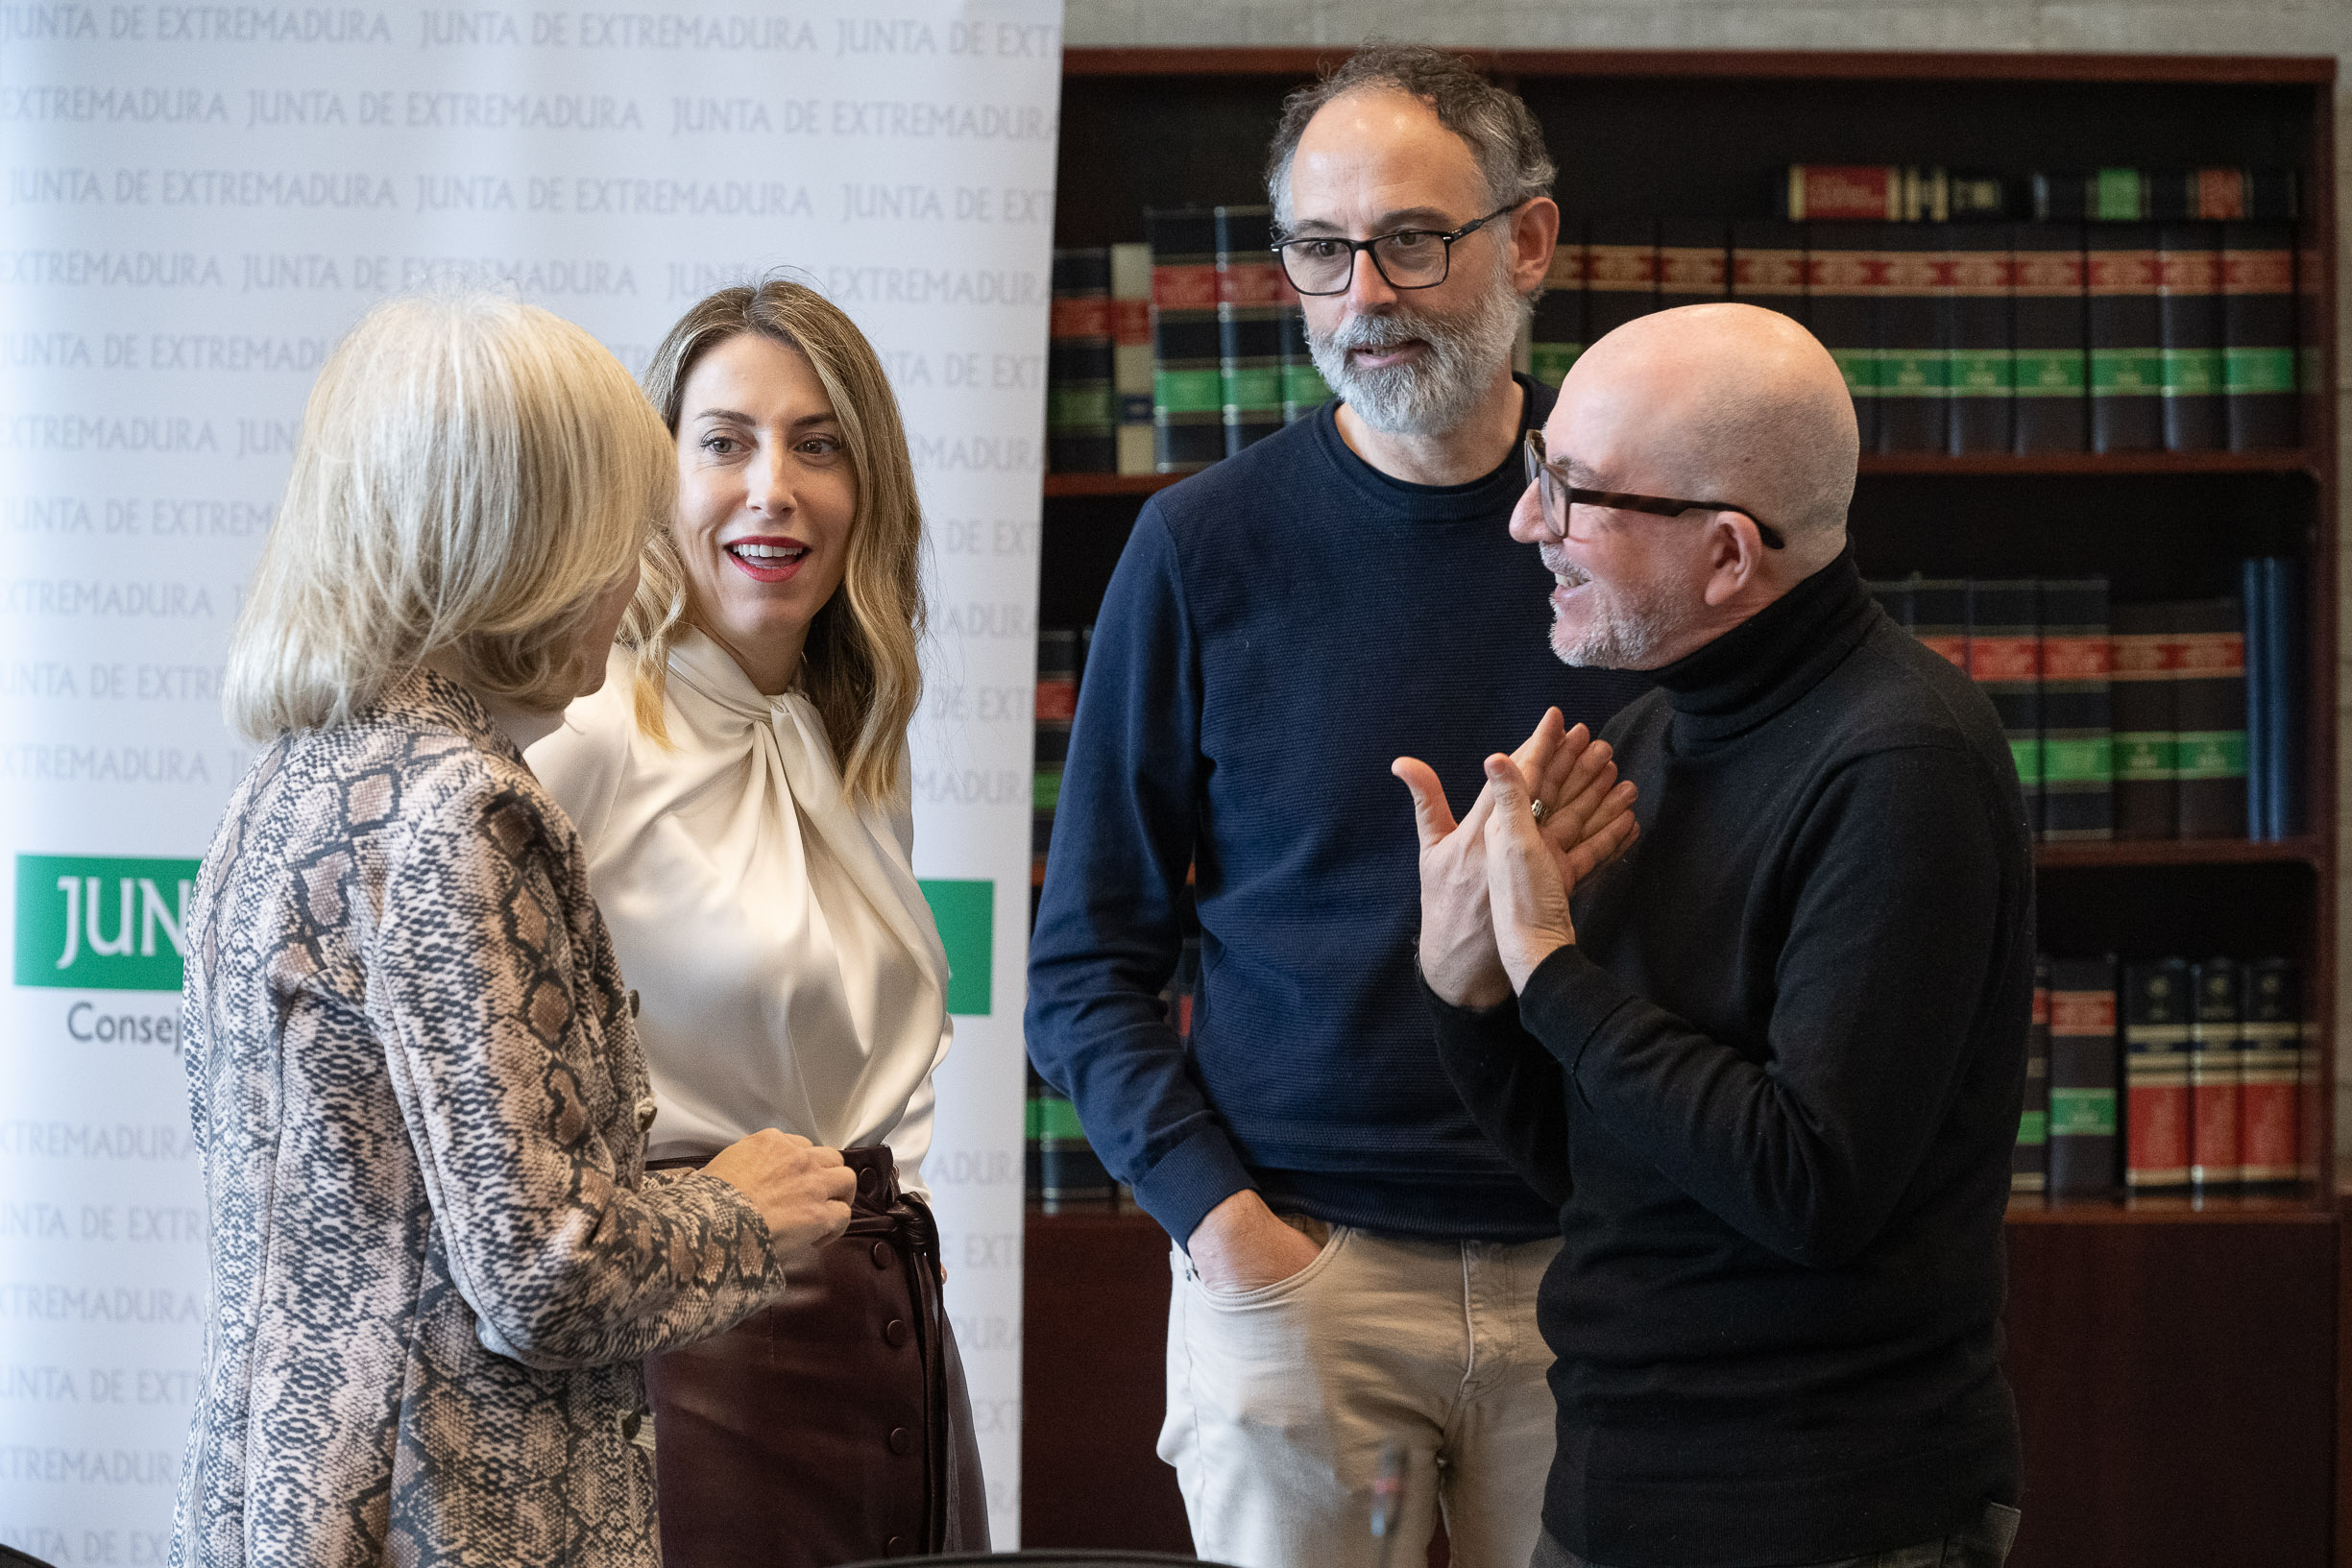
[
  {"x": 415, "y": 1087},
  {"x": 741, "y": 787}
]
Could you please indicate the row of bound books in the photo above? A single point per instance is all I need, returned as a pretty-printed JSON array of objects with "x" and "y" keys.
[
  {"x": 2164, "y": 1077},
  {"x": 1064, "y": 1173},
  {"x": 2170, "y": 720},
  {"x": 1168, "y": 355},
  {"x": 1982, "y": 337},
  {"x": 1908, "y": 193}
]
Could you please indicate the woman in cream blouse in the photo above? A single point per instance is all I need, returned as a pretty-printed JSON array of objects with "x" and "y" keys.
[{"x": 740, "y": 789}]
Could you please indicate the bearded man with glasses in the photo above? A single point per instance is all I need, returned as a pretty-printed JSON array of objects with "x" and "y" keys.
[{"x": 1355, "y": 1265}]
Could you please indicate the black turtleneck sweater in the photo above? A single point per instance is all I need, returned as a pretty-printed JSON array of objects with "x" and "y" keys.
[{"x": 1773, "y": 1087}]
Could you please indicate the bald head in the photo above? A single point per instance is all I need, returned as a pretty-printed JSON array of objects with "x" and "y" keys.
[{"x": 1725, "y": 402}]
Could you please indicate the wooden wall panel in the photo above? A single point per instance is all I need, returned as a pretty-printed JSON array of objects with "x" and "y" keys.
[
  {"x": 2176, "y": 1385},
  {"x": 1093, "y": 1386}
]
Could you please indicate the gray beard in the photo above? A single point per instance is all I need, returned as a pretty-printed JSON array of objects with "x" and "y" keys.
[
  {"x": 1435, "y": 394},
  {"x": 1627, "y": 635}
]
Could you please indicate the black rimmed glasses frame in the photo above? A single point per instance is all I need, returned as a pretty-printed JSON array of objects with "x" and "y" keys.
[
  {"x": 1282, "y": 248},
  {"x": 1556, "y": 495}
]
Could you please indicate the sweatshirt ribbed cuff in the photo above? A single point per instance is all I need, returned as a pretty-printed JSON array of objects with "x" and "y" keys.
[
  {"x": 1189, "y": 1180},
  {"x": 1568, "y": 999}
]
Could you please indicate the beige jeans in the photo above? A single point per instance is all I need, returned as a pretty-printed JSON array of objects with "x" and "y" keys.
[{"x": 1280, "y": 1400}]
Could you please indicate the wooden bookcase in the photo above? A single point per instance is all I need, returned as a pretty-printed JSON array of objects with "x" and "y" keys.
[{"x": 2177, "y": 1367}]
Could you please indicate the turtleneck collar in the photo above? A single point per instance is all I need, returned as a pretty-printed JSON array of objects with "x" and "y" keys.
[{"x": 1770, "y": 659}]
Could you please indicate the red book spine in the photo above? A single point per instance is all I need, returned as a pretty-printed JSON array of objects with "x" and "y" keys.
[
  {"x": 1846, "y": 190},
  {"x": 2215, "y": 1031},
  {"x": 2158, "y": 1138}
]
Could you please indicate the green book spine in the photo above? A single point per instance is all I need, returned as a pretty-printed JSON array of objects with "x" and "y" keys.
[
  {"x": 2144, "y": 661},
  {"x": 2077, "y": 710},
  {"x": 1187, "y": 375},
  {"x": 2263, "y": 410},
  {"x": 2126, "y": 339},
  {"x": 1251, "y": 291},
  {"x": 1845, "y": 272},
  {"x": 2049, "y": 367},
  {"x": 2209, "y": 718},
  {"x": 1914, "y": 339},
  {"x": 2004, "y": 658},
  {"x": 1081, "y": 422},
  {"x": 1984, "y": 375},
  {"x": 2083, "y": 1069},
  {"x": 2188, "y": 308}
]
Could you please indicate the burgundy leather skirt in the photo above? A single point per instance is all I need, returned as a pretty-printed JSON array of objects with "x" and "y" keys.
[{"x": 834, "y": 1424}]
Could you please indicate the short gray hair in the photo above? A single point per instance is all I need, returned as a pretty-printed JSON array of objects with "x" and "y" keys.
[{"x": 1496, "y": 127}]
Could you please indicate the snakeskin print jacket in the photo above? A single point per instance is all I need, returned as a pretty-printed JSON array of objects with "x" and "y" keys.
[{"x": 416, "y": 1093}]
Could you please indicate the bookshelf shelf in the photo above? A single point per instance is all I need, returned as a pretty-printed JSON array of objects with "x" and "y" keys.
[
  {"x": 2128, "y": 1321},
  {"x": 2177, "y": 852},
  {"x": 2174, "y": 1211}
]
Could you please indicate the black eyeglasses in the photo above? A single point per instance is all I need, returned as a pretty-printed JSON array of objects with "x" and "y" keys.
[
  {"x": 1557, "y": 497},
  {"x": 1410, "y": 258}
]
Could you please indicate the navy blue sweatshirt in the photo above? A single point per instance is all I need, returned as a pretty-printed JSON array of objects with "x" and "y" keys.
[
  {"x": 1279, "y": 628},
  {"x": 1773, "y": 1087}
]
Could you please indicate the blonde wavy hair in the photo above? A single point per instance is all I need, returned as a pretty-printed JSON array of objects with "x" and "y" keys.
[
  {"x": 860, "y": 668},
  {"x": 473, "y": 473}
]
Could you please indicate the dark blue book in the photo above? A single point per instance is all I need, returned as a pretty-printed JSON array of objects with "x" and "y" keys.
[
  {"x": 2260, "y": 678},
  {"x": 2282, "y": 654}
]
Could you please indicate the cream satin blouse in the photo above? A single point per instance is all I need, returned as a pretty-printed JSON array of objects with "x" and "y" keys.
[{"x": 789, "y": 970}]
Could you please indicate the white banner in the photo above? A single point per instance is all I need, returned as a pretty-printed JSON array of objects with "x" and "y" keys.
[{"x": 201, "y": 197}]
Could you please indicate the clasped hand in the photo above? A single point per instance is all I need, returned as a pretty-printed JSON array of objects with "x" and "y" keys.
[{"x": 1495, "y": 886}]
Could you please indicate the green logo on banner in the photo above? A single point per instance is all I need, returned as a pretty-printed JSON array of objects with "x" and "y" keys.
[
  {"x": 101, "y": 923},
  {"x": 966, "y": 914}
]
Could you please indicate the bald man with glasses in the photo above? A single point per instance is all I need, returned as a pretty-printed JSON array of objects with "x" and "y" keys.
[
  {"x": 1354, "y": 1264},
  {"x": 1768, "y": 1062}
]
